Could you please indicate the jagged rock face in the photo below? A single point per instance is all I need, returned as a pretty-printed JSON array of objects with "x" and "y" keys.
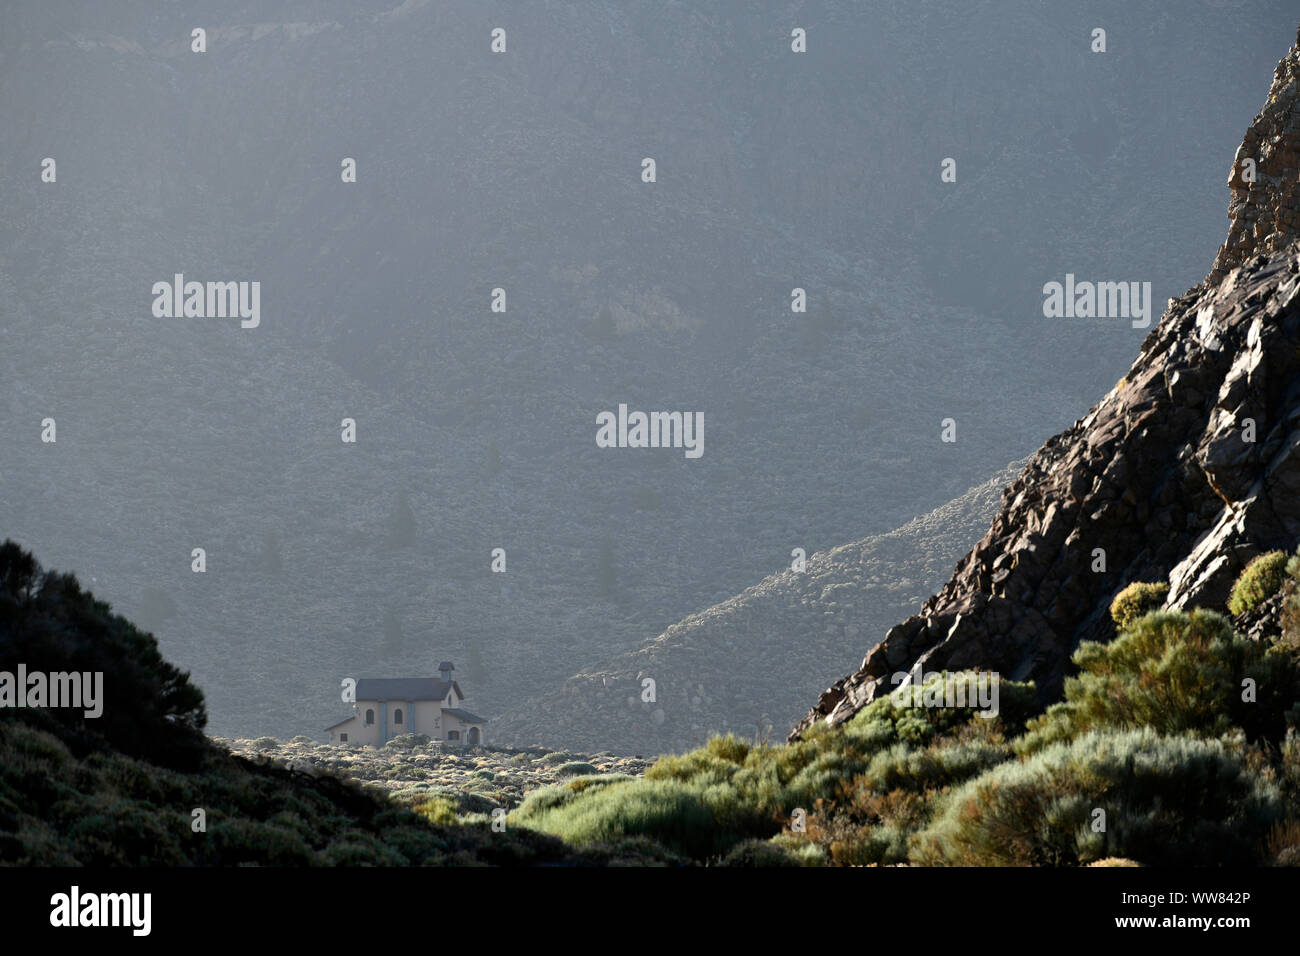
[
  {"x": 1265, "y": 206},
  {"x": 1184, "y": 472}
]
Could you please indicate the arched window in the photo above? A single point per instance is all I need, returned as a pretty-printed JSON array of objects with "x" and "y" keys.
[
  {"x": 370, "y": 717},
  {"x": 397, "y": 716}
]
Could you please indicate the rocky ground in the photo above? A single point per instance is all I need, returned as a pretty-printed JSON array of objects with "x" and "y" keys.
[{"x": 410, "y": 767}]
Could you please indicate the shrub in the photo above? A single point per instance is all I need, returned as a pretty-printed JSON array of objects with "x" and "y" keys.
[
  {"x": 730, "y": 748},
  {"x": 265, "y": 743},
  {"x": 237, "y": 841},
  {"x": 103, "y": 831},
  {"x": 697, "y": 765},
  {"x": 576, "y": 769},
  {"x": 905, "y": 768},
  {"x": 1261, "y": 579},
  {"x": 685, "y": 819},
  {"x": 757, "y": 853},
  {"x": 579, "y": 784},
  {"x": 438, "y": 809},
  {"x": 897, "y": 718},
  {"x": 1176, "y": 673},
  {"x": 1167, "y": 801},
  {"x": 1135, "y": 601},
  {"x": 1283, "y": 845},
  {"x": 361, "y": 849}
]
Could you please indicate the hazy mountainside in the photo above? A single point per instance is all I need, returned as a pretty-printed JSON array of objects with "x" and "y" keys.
[
  {"x": 521, "y": 171},
  {"x": 1185, "y": 471},
  {"x": 748, "y": 665}
]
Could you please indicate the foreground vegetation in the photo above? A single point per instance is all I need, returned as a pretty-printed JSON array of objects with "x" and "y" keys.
[
  {"x": 123, "y": 789},
  {"x": 1175, "y": 744}
]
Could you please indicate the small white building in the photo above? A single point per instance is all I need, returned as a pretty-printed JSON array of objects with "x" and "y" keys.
[{"x": 389, "y": 707}]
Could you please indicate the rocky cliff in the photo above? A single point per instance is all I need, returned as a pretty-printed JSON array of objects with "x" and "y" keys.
[
  {"x": 1265, "y": 206},
  {"x": 1186, "y": 470}
]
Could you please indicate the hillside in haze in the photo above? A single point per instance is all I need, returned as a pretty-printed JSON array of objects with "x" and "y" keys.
[
  {"x": 748, "y": 665},
  {"x": 521, "y": 171}
]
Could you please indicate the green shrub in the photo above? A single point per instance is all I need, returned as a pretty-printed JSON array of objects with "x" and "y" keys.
[
  {"x": 760, "y": 853},
  {"x": 900, "y": 717},
  {"x": 1261, "y": 579},
  {"x": 730, "y": 748},
  {"x": 1176, "y": 673},
  {"x": 699, "y": 823},
  {"x": 579, "y": 784},
  {"x": 355, "y": 848},
  {"x": 236, "y": 841},
  {"x": 905, "y": 768},
  {"x": 1135, "y": 601},
  {"x": 438, "y": 809},
  {"x": 696, "y": 765},
  {"x": 1166, "y": 800},
  {"x": 575, "y": 769},
  {"x": 103, "y": 831}
]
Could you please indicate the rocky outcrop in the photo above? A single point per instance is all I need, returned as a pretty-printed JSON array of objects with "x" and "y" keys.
[
  {"x": 1186, "y": 470},
  {"x": 1265, "y": 206}
]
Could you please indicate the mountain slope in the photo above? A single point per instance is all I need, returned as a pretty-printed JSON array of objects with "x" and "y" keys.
[
  {"x": 792, "y": 627},
  {"x": 520, "y": 171},
  {"x": 1186, "y": 470}
]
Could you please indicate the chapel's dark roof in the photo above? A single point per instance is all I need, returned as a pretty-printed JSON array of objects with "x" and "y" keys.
[{"x": 405, "y": 688}]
